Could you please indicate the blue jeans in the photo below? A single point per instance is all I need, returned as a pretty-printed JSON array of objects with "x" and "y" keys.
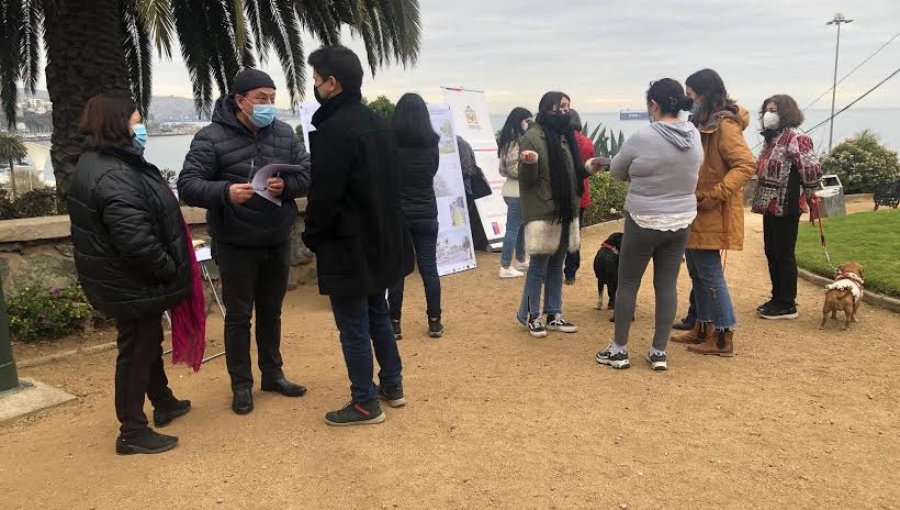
[
  {"x": 515, "y": 232},
  {"x": 424, "y": 234},
  {"x": 363, "y": 322},
  {"x": 710, "y": 288},
  {"x": 544, "y": 271},
  {"x": 691, "y": 316}
]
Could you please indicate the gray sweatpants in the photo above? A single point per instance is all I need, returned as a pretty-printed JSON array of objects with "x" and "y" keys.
[{"x": 639, "y": 245}]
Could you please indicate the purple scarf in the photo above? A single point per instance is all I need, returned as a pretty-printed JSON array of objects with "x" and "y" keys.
[{"x": 189, "y": 318}]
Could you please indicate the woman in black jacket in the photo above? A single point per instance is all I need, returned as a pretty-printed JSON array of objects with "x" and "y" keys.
[
  {"x": 419, "y": 158},
  {"x": 132, "y": 259}
]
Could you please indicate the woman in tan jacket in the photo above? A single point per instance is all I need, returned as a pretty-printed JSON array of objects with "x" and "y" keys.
[{"x": 728, "y": 164}]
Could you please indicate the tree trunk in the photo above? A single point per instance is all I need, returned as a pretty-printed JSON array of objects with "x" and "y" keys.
[
  {"x": 85, "y": 57},
  {"x": 12, "y": 178}
]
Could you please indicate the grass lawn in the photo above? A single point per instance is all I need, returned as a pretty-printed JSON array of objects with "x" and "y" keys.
[{"x": 870, "y": 238}]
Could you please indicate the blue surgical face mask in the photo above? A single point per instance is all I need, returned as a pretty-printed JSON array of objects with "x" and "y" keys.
[
  {"x": 263, "y": 115},
  {"x": 140, "y": 135}
]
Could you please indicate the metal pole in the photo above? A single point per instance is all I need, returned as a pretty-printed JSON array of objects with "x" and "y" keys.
[
  {"x": 9, "y": 377},
  {"x": 837, "y": 50}
]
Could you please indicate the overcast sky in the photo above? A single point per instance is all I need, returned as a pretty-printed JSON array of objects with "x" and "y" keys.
[{"x": 604, "y": 53}]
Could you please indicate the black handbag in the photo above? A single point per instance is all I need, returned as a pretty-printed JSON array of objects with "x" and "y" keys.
[{"x": 480, "y": 186}]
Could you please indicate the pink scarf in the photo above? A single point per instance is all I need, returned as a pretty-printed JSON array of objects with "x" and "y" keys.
[{"x": 189, "y": 318}]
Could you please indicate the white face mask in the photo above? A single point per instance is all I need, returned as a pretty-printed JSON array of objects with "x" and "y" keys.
[{"x": 770, "y": 120}]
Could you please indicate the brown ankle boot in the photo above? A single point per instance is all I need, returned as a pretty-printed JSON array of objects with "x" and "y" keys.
[
  {"x": 697, "y": 335},
  {"x": 718, "y": 343}
]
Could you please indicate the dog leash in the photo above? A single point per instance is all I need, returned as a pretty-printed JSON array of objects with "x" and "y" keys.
[{"x": 822, "y": 236}]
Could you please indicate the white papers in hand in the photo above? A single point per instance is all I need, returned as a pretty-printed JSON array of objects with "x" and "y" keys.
[{"x": 260, "y": 178}]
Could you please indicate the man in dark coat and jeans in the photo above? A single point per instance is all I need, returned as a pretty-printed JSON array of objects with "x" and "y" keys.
[
  {"x": 251, "y": 235},
  {"x": 354, "y": 224}
]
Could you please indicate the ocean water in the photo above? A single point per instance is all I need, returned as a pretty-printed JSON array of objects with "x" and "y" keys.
[{"x": 169, "y": 151}]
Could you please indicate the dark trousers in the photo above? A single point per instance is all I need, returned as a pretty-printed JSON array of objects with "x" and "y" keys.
[
  {"x": 639, "y": 247},
  {"x": 363, "y": 323},
  {"x": 139, "y": 371},
  {"x": 253, "y": 276},
  {"x": 479, "y": 238},
  {"x": 573, "y": 259},
  {"x": 780, "y": 237},
  {"x": 424, "y": 235}
]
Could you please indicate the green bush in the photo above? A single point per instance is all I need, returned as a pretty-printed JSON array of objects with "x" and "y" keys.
[
  {"x": 607, "y": 199},
  {"x": 381, "y": 105},
  {"x": 37, "y": 314},
  {"x": 39, "y": 202},
  {"x": 862, "y": 163}
]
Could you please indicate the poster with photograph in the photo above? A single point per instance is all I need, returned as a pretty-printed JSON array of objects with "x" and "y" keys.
[
  {"x": 473, "y": 123},
  {"x": 455, "y": 249}
]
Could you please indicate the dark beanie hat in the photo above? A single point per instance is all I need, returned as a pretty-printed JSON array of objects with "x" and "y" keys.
[{"x": 249, "y": 79}]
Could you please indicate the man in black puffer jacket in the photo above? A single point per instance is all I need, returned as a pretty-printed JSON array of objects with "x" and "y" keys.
[
  {"x": 354, "y": 224},
  {"x": 250, "y": 233}
]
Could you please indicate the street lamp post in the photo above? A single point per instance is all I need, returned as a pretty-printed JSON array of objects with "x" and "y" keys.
[
  {"x": 838, "y": 20},
  {"x": 8, "y": 377}
]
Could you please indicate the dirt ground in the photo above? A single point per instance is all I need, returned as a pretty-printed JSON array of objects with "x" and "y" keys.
[{"x": 800, "y": 418}]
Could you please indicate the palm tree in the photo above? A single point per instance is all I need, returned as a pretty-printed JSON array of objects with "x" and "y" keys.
[
  {"x": 107, "y": 46},
  {"x": 12, "y": 149}
]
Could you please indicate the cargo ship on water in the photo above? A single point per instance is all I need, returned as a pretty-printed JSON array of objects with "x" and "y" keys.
[{"x": 633, "y": 115}]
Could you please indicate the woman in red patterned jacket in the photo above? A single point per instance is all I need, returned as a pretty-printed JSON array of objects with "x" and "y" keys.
[{"x": 788, "y": 174}]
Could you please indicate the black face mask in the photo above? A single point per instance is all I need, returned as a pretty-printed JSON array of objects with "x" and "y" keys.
[
  {"x": 560, "y": 122},
  {"x": 318, "y": 96}
]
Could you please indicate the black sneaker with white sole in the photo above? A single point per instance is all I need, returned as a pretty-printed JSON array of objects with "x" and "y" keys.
[
  {"x": 765, "y": 305},
  {"x": 618, "y": 360},
  {"x": 658, "y": 361},
  {"x": 356, "y": 413},
  {"x": 395, "y": 324},
  {"x": 779, "y": 313},
  {"x": 435, "y": 328},
  {"x": 557, "y": 323},
  {"x": 536, "y": 328},
  {"x": 393, "y": 395},
  {"x": 147, "y": 442}
]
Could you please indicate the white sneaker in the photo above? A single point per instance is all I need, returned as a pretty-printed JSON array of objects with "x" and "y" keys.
[
  {"x": 522, "y": 266},
  {"x": 510, "y": 272}
]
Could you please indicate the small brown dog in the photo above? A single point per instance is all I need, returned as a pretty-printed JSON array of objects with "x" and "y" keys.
[{"x": 844, "y": 294}]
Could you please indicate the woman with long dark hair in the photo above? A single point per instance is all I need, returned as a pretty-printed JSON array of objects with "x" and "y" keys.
[
  {"x": 508, "y": 151},
  {"x": 727, "y": 165},
  {"x": 551, "y": 181},
  {"x": 134, "y": 259},
  {"x": 419, "y": 159},
  {"x": 788, "y": 175},
  {"x": 661, "y": 162}
]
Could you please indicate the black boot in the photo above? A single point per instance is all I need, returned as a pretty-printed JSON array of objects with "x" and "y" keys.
[
  {"x": 146, "y": 442},
  {"x": 168, "y": 411},
  {"x": 242, "y": 403},
  {"x": 285, "y": 387}
]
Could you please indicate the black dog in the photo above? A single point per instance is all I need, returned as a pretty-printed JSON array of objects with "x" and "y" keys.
[{"x": 606, "y": 269}]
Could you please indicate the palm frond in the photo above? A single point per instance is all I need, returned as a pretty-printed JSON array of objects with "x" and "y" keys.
[
  {"x": 261, "y": 43},
  {"x": 32, "y": 32},
  {"x": 278, "y": 25},
  {"x": 320, "y": 18},
  {"x": 138, "y": 55},
  {"x": 11, "y": 17},
  {"x": 157, "y": 16},
  {"x": 194, "y": 50},
  {"x": 396, "y": 26}
]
